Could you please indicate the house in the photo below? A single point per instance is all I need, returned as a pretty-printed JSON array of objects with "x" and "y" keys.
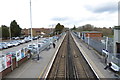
[{"x": 36, "y": 31}]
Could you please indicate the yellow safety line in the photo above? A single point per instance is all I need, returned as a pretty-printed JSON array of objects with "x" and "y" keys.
[{"x": 42, "y": 72}]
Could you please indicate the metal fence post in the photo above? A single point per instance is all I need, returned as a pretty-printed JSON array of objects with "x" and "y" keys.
[
  {"x": 88, "y": 40},
  {"x": 106, "y": 47}
]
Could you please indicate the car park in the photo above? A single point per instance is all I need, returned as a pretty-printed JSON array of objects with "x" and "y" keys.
[{"x": 43, "y": 42}]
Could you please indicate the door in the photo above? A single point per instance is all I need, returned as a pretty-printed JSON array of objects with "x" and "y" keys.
[{"x": 118, "y": 47}]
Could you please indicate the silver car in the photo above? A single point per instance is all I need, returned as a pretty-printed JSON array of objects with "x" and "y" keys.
[
  {"x": 9, "y": 44},
  {"x": 15, "y": 43},
  {"x": 4, "y": 45}
]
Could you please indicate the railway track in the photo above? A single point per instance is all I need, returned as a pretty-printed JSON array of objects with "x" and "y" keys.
[
  {"x": 59, "y": 68},
  {"x": 69, "y": 63}
]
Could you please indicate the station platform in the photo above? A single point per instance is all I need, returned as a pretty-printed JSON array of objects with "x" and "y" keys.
[
  {"x": 94, "y": 60},
  {"x": 34, "y": 69}
]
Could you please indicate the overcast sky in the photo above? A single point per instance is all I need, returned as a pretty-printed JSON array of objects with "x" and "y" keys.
[{"x": 45, "y": 13}]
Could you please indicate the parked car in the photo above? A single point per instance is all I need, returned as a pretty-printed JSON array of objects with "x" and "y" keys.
[
  {"x": 32, "y": 46},
  {"x": 22, "y": 41},
  {"x": 15, "y": 43},
  {"x": 27, "y": 39},
  {"x": 9, "y": 44},
  {"x": 22, "y": 37},
  {"x": 17, "y": 38},
  {"x": 19, "y": 41},
  {"x": 35, "y": 38},
  {"x": 4, "y": 45},
  {"x": 13, "y": 38}
]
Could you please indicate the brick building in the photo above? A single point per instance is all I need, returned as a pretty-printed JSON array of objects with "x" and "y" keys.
[
  {"x": 36, "y": 31},
  {"x": 94, "y": 34},
  {"x": 91, "y": 34}
]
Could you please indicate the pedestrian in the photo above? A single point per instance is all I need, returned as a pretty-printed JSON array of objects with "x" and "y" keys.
[
  {"x": 106, "y": 56},
  {"x": 108, "y": 66},
  {"x": 53, "y": 45},
  {"x": 38, "y": 57}
]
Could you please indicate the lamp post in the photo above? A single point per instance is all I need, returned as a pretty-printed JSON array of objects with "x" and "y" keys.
[
  {"x": 106, "y": 46},
  {"x": 88, "y": 40},
  {"x": 31, "y": 26},
  {"x": 10, "y": 33},
  {"x": 31, "y": 19}
]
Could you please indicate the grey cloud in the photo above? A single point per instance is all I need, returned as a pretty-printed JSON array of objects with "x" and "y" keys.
[
  {"x": 65, "y": 20},
  {"x": 60, "y": 18},
  {"x": 110, "y": 7}
]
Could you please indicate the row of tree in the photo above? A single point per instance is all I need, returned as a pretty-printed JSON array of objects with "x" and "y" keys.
[
  {"x": 58, "y": 28},
  {"x": 89, "y": 27},
  {"x": 14, "y": 30}
]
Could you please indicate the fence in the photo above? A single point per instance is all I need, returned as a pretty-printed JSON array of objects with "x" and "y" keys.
[{"x": 100, "y": 43}]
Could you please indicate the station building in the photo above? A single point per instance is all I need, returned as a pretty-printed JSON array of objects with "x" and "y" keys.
[
  {"x": 117, "y": 40},
  {"x": 91, "y": 34}
]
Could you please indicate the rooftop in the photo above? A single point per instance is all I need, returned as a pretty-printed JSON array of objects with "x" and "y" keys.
[
  {"x": 117, "y": 27},
  {"x": 91, "y": 32}
]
